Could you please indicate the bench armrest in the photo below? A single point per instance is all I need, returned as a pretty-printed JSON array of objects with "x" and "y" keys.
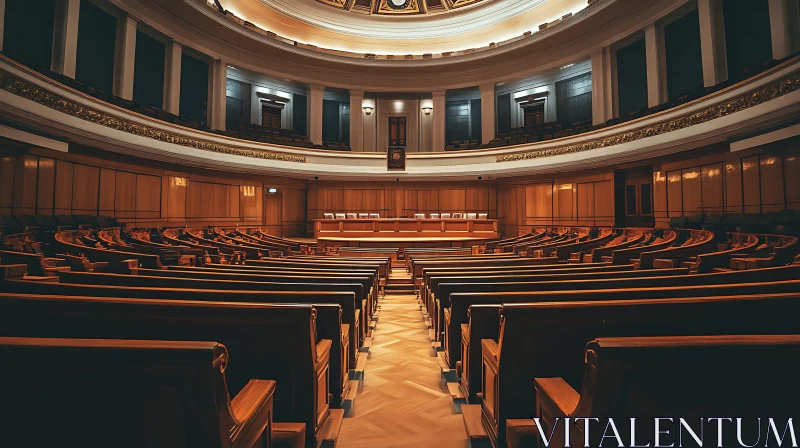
[
  {"x": 252, "y": 408},
  {"x": 522, "y": 433},
  {"x": 323, "y": 349},
  {"x": 490, "y": 352},
  {"x": 555, "y": 397}
]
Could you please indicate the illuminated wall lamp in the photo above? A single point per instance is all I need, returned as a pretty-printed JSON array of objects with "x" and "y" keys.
[
  {"x": 368, "y": 110},
  {"x": 427, "y": 110}
]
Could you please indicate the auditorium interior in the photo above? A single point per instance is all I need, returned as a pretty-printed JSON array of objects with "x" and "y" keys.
[{"x": 409, "y": 201}]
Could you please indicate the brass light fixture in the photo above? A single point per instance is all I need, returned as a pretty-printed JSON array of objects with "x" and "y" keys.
[
  {"x": 427, "y": 110},
  {"x": 368, "y": 109}
]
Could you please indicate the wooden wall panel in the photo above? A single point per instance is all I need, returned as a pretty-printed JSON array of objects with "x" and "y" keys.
[
  {"x": 791, "y": 168},
  {"x": 148, "y": 196},
  {"x": 538, "y": 205},
  {"x": 713, "y": 191},
  {"x": 604, "y": 203},
  {"x": 585, "y": 203},
  {"x": 453, "y": 200},
  {"x": 674, "y": 193},
  {"x": 176, "y": 197},
  {"x": 249, "y": 204},
  {"x": 751, "y": 184},
  {"x": 563, "y": 204},
  {"x": 293, "y": 212},
  {"x": 692, "y": 197},
  {"x": 25, "y": 185},
  {"x": 46, "y": 186},
  {"x": 733, "y": 186},
  {"x": 6, "y": 184},
  {"x": 220, "y": 201},
  {"x": 125, "y": 195},
  {"x": 63, "y": 188},
  {"x": 233, "y": 202},
  {"x": 106, "y": 201},
  {"x": 660, "y": 199},
  {"x": 771, "y": 175},
  {"x": 85, "y": 189}
]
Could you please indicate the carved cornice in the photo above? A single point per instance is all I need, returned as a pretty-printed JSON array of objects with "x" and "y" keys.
[
  {"x": 773, "y": 90},
  {"x": 40, "y": 95}
]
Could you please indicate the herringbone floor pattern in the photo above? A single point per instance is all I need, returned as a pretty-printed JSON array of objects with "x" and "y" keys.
[{"x": 403, "y": 402}]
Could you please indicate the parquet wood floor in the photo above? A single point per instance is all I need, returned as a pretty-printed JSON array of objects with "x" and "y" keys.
[{"x": 403, "y": 401}]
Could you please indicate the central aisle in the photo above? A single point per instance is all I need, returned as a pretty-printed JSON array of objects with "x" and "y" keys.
[{"x": 403, "y": 401}]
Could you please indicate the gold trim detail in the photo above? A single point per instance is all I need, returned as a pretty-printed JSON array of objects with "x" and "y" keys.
[
  {"x": 744, "y": 101},
  {"x": 40, "y": 95}
]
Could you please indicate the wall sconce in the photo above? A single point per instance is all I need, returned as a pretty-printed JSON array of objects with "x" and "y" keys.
[
  {"x": 427, "y": 110},
  {"x": 368, "y": 110}
]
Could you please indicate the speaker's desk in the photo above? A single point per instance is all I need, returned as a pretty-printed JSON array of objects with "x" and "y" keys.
[{"x": 404, "y": 232}]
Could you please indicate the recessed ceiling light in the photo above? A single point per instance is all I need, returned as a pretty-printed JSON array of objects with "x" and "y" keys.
[{"x": 567, "y": 66}]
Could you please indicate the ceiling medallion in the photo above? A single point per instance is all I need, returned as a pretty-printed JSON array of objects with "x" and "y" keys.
[{"x": 398, "y": 7}]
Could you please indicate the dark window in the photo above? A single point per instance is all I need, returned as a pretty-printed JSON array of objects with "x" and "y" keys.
[
  {"x": 330, "y": 120},
  {"x": 300, "y": 115},
  {"x": 397, "y": 131},
  {"x": 504, "y": 113},
  {"x": 646, "y": 200},
  {"x": 148, "y": 76},
  {"x": 28, "y": 33},
  {"x": 270, "y": 116},
  {"x": 630, "y": 200},
  {"x": 97, "y": 34},
  {"x": 574, "y": 98},
  {"x": 237, "y": 95},
  {"x": 475, "y": 117},
  {"x": 632, "y": 78},
  {"x": 458, "y": 122},
  {"x": 194, "y": 89},
  {"x": 683, "y": 55},
  {"x": 748, "y": 42}
]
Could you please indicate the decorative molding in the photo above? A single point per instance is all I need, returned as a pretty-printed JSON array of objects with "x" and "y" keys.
[
  {"x": 773, "y": 90},
  {"x": 40, "y": 95}
]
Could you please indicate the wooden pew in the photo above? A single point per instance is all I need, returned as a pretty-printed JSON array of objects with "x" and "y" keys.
[
  {"x": 626, "y": 255},
  {"x": 691, "y": 377},
  {"x": 38, "y": 265},
  {"x": 328, "y": 314},
  {"x": 370, "y": 277},
  {"x": 128, "y": 394},
  {"x": 700, "y": 241},
  {"x": 352, "y": 313},
  {"x": 413, "y": 258},
  {"x": 450, "y": 285},
  {"x": 113, "y": 257},
  {"x": 519, "y": 261},
  {"x": 627, "y": 238},
  {"x": 383, "y": 267},
  {"x": 277, "y": 342},
  {"x": 428, "y": 274},
  {"x": 546, "y": 340},
  {"x": 458, "y": 314}
]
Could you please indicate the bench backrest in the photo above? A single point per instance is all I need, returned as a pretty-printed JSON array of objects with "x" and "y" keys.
[
  {"x": 158, "y": 394},
  {"x": 265, "y": 341}
]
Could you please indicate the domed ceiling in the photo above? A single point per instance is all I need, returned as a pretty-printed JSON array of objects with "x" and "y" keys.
[
  {"x": 402, "y": 27},
  {"x": 400, "y": 7}
]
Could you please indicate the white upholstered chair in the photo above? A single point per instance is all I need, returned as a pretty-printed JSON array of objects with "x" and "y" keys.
[
  {"x": 327, "y": 215},
  {"x": 472, "y": 216},
  {"x": 434, "y": 216},
  {"x": 445, "y": 215},
  {"x": 483, "y": 216},
  {"x": 419, "y": 215},
  {"x": 374, "y": 216},
  {"x": 340, "y": 216},
  {"x": 351, "y": 215}
]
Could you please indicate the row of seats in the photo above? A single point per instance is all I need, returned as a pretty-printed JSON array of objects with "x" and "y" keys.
[
  {"x": 416, "y": 216},
  {"x": 784, "y": 221},
  {"x": 248, "y": 314},
  {"x": 10, "y": 224},
  {"x": 611, "y": 323}
]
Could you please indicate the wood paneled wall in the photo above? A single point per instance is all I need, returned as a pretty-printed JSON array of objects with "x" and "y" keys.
[
  {"x": 758, "y": 180},
  {"x": 41, "y": 181},
  {"x": 566, "y": 201},
  {"x": 395, "y": 200}
]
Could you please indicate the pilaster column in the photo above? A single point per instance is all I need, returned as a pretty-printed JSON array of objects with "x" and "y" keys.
[
  {"x": 315, "y": 113},
  {"x": 216, "y": 98},
  {"x": 488, "y": 116},
  {"x": 439, "y": 111},
  {"x": 65, "y": 37},
  {"x": 124, "y": 57},
  {"x": 603, "y": 107},
  {"x": 2, "y": 22},
  {"x": 357, "y": 120},
  {"x": 712, "y": 42},
  {"x": 784, "y": 22},
  {"x": 172, "y": 78},
  {"x": 656, "y": 65}
]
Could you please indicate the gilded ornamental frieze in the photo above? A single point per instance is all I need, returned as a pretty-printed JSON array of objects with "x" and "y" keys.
[
  {"x": 40, "y": 95},
  {"x": 744, "y": 101}
]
